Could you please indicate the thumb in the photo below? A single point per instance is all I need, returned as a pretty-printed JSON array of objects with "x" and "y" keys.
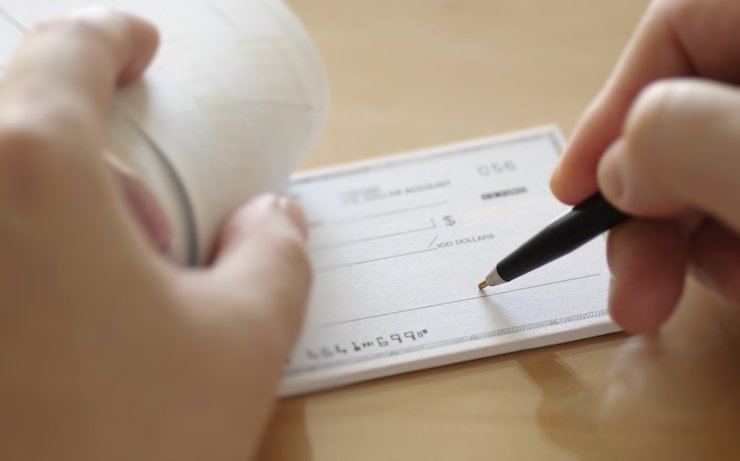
[
  {"x": 262, "y": 266},
  {"x": 678, "y": 152}
]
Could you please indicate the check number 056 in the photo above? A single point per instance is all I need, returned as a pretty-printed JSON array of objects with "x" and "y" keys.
[{"x": 496, "y": 168}]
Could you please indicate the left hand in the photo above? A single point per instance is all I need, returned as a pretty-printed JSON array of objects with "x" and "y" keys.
[{"x": 107, "y": 350}]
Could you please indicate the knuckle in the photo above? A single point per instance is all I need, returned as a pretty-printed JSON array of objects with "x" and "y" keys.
[
  {"x": 34, "y": 161},
  {"x": 651, "y": 106},
  {"x": 22, "y": 148},
  {"x": 59, "y": 23},
  {"x": 21, "y": 135},
  {"x": 23, "y": 173},
  {"x": 22, "y": 165},
  {"x": 652, "y": 117},
  {"x": 90, "y": 23}
]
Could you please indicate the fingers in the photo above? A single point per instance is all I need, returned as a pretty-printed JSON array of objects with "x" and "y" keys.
[
  {"x": 652, "y": 53},
  {"x": 648, "y": 261},
  {"x": 261, "y": 262},
  {"x": 54, "y": 99},
  {"x": 673, "y": 155},
  {"x": 677, "y": 156},
  {"x": 678, "y": 153},
  {"x": 60, "y": 80},
  {"x": 133, "y": 39},
  {"x": 675, "y": 38}
]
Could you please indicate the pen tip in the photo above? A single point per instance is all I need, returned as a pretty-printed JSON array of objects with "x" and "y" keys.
[{"x": 482, "y": 285}]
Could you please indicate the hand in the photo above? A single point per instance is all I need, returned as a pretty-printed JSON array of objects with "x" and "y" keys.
[
  {"x": 108, "y": 351},
  {"x": 662, "y": 142}
]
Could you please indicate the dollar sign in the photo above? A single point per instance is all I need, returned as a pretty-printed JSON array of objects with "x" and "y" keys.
[{"x": 449, "y": 220}]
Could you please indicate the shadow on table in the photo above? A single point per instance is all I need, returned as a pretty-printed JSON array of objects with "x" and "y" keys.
[
  {"x": 567, "y": 413},
  {"x": 672, "y": 395},
  {"x": 289, "y": 439}
]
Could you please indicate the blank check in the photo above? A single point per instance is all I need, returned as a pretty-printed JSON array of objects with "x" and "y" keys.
[{"x": 398, "y": 245}]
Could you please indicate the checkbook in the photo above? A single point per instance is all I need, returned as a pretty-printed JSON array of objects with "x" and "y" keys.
[{"x": 398, "y": 245}]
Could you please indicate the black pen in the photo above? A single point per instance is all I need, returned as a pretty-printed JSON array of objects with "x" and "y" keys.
[{"x": 585, "y": 221}]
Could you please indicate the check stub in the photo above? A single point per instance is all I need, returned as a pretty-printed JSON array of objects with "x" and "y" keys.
[{"x": 399, "y": 244}]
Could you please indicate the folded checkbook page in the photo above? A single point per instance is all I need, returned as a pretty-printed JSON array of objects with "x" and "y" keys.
[{"x": 399, "y": 244}]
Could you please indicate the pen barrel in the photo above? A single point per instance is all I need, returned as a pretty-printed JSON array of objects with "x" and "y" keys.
[{"x": 572, "y": 230}]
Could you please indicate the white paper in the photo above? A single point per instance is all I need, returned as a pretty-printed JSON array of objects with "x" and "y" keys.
[{"x": 399, "y": 244}]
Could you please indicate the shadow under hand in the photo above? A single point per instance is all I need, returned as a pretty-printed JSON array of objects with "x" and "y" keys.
[
  {"x": 674, "y": 395},
  {"x": 286, "y": 437},
  {"x": 567, "y": 413}
]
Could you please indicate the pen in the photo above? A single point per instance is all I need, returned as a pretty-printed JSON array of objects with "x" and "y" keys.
[{"x": 585, "y": 221}]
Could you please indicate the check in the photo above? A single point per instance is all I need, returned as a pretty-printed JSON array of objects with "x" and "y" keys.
[{"x": 399, "y": 244}]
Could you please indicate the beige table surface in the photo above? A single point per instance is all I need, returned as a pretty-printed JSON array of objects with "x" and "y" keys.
[{"x": 406, "y": 74}]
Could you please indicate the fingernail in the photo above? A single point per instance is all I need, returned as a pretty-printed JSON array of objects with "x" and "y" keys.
[
  {"x": 295, "y": 213},
  {"x": 611, "y": 180}
]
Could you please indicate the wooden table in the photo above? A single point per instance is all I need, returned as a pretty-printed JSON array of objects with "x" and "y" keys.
[{"x": 406, "y": 74}]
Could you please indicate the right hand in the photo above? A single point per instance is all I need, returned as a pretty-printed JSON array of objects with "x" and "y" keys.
[{"x": 662, "y": 142}]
